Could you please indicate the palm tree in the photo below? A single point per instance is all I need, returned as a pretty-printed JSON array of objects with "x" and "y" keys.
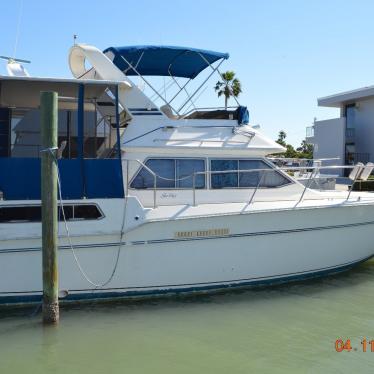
[
  {"x": 281, "y": 138},
  {"x": 229, "y": 87}
]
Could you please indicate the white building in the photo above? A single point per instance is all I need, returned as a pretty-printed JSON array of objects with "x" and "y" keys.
[{"x": 351, "y": 136}]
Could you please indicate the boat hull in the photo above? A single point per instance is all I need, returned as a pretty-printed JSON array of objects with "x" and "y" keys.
[{"x": 197, "y": 254}]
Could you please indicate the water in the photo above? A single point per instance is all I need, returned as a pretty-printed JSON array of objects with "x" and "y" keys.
[{"x": 286, "y": 329}]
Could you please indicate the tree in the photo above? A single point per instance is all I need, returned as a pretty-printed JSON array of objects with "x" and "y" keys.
[
  {"x": 281, "y": 138},
  {"x": 304, "y": 151},
  {"x": 229, "y": 86}
]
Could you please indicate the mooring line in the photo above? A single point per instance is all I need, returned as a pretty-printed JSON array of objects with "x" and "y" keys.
[{"x": 82, "y": 271}]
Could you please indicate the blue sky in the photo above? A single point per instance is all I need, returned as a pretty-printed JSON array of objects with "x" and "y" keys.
[{"x": 286, "y": 53}]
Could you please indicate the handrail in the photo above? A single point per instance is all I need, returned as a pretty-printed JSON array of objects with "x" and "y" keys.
[
  {"x": 315, "y": 169},
  {"x": 154, "y": 175},
  {"x": 198, "y": 141},
  {"x": 207, "y": 108},
  {"x": 313, "y": 174}
]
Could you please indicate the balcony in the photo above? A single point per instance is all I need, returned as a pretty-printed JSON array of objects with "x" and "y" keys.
[{"x": 354, "y": 158}]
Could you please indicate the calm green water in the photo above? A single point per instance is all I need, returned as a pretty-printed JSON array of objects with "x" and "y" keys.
[{"x": 287, "y": 329}]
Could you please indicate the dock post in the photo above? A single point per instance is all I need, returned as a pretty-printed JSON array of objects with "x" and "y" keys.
[{"x": 48, "y": 106}]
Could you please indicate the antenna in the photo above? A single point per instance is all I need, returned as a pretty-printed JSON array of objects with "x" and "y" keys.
[
  {"x": 12, "y": 59},
  {"x": 75, "y": 36},
  {"x": 18, "y": 27},
  {"x": 14, "y": 66}
]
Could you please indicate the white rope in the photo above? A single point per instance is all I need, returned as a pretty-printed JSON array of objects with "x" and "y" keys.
[{"x": 84, "y": 274}]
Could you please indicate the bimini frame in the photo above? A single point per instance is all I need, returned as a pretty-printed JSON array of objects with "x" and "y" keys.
[{"x": 181, "y": 88}]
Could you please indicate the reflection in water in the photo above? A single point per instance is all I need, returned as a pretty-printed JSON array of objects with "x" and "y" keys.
[{"x": 289, "y": 328}]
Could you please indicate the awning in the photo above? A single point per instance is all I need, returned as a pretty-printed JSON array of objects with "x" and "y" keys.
[
  {"x": 163, "y": 60},
  {"x": 25, "y": 91}
]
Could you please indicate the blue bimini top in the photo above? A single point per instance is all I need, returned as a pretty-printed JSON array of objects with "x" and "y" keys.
[{"x": 180, "y": 62}]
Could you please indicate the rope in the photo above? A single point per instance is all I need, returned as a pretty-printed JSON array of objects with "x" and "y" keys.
[{"x": 84, "y": 274}]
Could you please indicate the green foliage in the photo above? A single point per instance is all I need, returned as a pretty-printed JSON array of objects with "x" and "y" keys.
[
  {"x": 281, "y": 137},
  {"x": 229, "y": 86},
  {"x": 304, "y": 151}
]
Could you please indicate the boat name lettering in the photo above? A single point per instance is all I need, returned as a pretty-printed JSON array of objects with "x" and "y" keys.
[
  {"x": 202, "y": 233},
  {"x": 167, "y": 195}
]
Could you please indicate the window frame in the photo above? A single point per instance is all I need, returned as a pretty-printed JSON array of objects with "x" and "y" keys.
[
  {"x": 267, "y": 162},
  {"x": 59, "y": 218},
  {"x": 204, "y": 159}
]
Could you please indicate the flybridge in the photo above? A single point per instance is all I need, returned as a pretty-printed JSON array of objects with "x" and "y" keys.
[{"x": 176, "y": 98}]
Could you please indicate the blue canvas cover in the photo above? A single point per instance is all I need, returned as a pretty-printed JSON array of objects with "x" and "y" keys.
[
  {"x": 243, "y": 116},
  {"x": 164, "y": 60},
  {"x": 20, "y": 178}
]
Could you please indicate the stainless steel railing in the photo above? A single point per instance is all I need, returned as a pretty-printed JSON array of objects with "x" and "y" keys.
[
  {"x": 313, "y": 173},
  {"x": 154, "y": 175}
]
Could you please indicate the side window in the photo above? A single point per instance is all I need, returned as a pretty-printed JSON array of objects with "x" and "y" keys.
[
  {"x": 86, "y": 212},
  {"x": 20, "y": 214},
  {"x": 171, "y": 173},
  {"x": 14, "y": 214},
  {"x": 224, "y": 180},
  {"x": 68, "y": 211},
  {"x": 274, "y": 179},
  {"x": 165, "y": 171},
  {"x": 244, "y": 176},
  {"x": 252, "y": 179},
  {"x": 185, "y": 168}
]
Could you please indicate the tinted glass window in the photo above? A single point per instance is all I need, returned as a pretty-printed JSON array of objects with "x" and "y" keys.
[
  {"x": 252, "y": 178},
  {"x": 164, "y": 170},
  {"x": 20, "y": 214},
  {"x": 68, "y": 210},
  {"x": 86, "y": 212},
  {"x": 350, "y": 114},
  {"x": 33, "y": 213},
  {"x": 171, "y": 173},
  {"x": 224, "y": 180},
  {"x": 274, "y": 179},
  {"x": 185, "y": 169},
  {"x": 245, "y": 177}
]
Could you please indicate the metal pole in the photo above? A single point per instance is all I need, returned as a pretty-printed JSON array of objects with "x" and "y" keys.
[
  {"x": 198, "y": 89},
  {"x": 151, "y": 87},
  {"x": 119, "y": 136},
  {"x": 154, "y": 190},
  {"x": 48, "y": 105},
  {"x": 307, "y": 185},
  {"x": 127, "y": 178},
  {"x": 80, "y": 153},
  {"x": 194, "y": 189},
  {"x": 354, "y": 181},
  {"x": 257, "y": 187}
]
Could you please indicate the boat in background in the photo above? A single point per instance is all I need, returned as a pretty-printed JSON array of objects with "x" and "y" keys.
[{"x": 159, "y": 196}]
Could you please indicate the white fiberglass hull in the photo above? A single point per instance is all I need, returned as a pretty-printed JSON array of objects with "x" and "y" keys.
[{"x": 184, "y": 255}]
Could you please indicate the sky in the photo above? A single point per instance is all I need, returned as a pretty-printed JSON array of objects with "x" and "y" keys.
[{"x": 285, "y": 53}]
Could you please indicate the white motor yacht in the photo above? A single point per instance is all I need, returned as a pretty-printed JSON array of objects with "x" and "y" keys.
[{"x": 160, "y": 196}]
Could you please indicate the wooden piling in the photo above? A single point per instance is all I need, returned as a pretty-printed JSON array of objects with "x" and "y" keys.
[{"x": 48, "y": 106}]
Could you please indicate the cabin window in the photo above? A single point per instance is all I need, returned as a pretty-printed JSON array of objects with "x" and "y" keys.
[
  {"x": 86, "y": 212},
  {"x": 241, "y": 179},
  {"x": 33, "y": 213},
  {"x": 171, "y": 173},
  {"x": 20, "y": 214}
]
